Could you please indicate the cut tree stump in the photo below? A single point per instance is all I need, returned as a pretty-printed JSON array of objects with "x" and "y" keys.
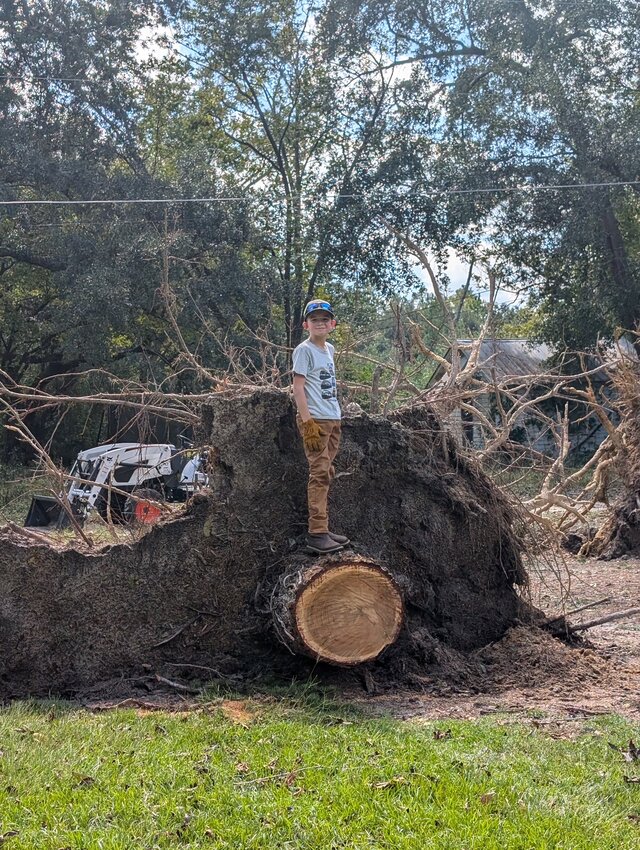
[{"x": 343, "y": 610}]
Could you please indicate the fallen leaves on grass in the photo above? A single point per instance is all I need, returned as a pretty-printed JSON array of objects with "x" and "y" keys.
[
  {"x": 290, "y": 778},
  {"x": 236, "y": 711},
  {"x": 84, "y": 782},
  {"x": 630, "y": 755},
  {"x": 389, "y": 783},
  {"x": 441, "y": 734},
  {"x": 24, "y": 730},
  {"x": 286, "y": 777}
]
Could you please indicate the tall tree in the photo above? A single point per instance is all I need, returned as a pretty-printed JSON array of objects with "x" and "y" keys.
[
  {"x": 90, "y": 116},
  {"x": 315, "y": 117},
  {"x": 556, "y": 102},
  {"x": 534, "y": 93},
  {"x": 297, "y": 127}
]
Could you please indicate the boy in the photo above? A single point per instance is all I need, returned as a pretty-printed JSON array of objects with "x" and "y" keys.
[{"x": 314, "y": 391}]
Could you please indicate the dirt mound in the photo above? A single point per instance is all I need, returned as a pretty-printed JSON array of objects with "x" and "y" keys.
[
  {"x": 527, "y": 657},
  {"x": 194, "y": 594}
]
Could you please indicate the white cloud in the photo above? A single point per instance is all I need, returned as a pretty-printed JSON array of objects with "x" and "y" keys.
[{"x": 457, "y": 270}]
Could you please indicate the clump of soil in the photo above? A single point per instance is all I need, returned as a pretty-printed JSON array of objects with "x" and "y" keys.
[
  {"x": 194, "y": 594},
  {"x": 528, "y": 657},
  {"x": 530, "y": 671}
]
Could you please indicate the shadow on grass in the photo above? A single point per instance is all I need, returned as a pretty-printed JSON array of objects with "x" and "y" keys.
[
  {"x": 311, "y": 698},
  {"x": 308, "y": 696}
]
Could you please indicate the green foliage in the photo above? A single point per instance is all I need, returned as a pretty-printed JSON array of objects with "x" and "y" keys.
[
  {"x": 519, "y": 322},
  {"x": 329, "y": 129},
  {"x": 526, "y": 94},
  {"x": 548, "y": 103}
]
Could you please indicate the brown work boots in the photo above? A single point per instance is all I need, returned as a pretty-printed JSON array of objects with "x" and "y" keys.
[{"x": 326, "y": 543}]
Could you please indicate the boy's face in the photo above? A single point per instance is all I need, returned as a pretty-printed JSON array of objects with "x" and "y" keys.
[{"x": 319, "y": 323}]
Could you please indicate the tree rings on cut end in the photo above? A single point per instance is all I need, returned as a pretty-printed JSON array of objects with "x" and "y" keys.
[{"x": 348, "y": 613}]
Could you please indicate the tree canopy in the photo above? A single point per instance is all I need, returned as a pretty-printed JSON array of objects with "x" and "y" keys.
[{"x": 328, "y": 136}]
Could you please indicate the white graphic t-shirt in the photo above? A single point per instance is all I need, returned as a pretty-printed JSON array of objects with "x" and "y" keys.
[{"x": 316, "y": 364}]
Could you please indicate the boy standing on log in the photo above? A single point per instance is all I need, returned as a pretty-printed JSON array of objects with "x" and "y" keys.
[{"x": 318, "y": 419}]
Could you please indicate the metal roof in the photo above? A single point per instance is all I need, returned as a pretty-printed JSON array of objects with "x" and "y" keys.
[
  {"x": 506, "y": 358},
  {"x": 512, "y": 358}
]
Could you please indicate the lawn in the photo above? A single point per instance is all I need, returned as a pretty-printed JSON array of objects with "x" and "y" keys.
[
  {"x": 309, "y": 773},
  {"x": 17, "y": 484}
]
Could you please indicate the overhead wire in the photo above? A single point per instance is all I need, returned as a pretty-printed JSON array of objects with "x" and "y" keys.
[{"x": 439, "y": 192}]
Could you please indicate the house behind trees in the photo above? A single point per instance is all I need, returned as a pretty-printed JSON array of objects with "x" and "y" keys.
[{"x": 529, "y": 369}]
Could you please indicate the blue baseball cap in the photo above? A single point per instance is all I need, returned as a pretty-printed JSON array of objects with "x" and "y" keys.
[{"x": 314, "y": 306}]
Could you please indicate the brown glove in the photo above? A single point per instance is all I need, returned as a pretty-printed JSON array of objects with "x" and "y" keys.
[{"x": 311, "y": 436}]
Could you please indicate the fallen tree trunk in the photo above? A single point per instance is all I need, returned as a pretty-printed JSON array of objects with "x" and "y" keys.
[
  {"x": 435, "y": 561},
  {"x": 619, "y": 534},
  {"x": 344, "y": 610}
]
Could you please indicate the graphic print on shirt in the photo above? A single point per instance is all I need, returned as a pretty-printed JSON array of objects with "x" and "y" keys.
[{"x": 328, "y": 382}]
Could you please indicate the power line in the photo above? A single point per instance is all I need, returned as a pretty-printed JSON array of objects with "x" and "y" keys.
[
  {"x": 122, "y": 201},
  {"x": 30, "y": 79},
  {"x": 523, "y": 189}
]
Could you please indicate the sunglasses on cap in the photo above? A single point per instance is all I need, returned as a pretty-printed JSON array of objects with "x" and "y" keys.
[{"x": 312, "y": 306}]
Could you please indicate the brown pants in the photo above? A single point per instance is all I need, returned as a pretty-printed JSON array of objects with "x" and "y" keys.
[{"x": 321, "y": 471}]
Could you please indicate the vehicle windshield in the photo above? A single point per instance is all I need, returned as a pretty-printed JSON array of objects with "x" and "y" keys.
[{"x": 85, "y": 469}]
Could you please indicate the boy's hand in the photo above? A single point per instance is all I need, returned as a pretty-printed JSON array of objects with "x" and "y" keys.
[{"x": 311, "y": 436}]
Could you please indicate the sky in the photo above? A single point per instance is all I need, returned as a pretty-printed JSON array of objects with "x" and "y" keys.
[{"x": 457, "y": 271}]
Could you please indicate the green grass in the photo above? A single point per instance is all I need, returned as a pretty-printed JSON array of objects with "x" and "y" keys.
[
  {"x": 303, "y": 775},
  {"x": 16, "y": 488}
]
